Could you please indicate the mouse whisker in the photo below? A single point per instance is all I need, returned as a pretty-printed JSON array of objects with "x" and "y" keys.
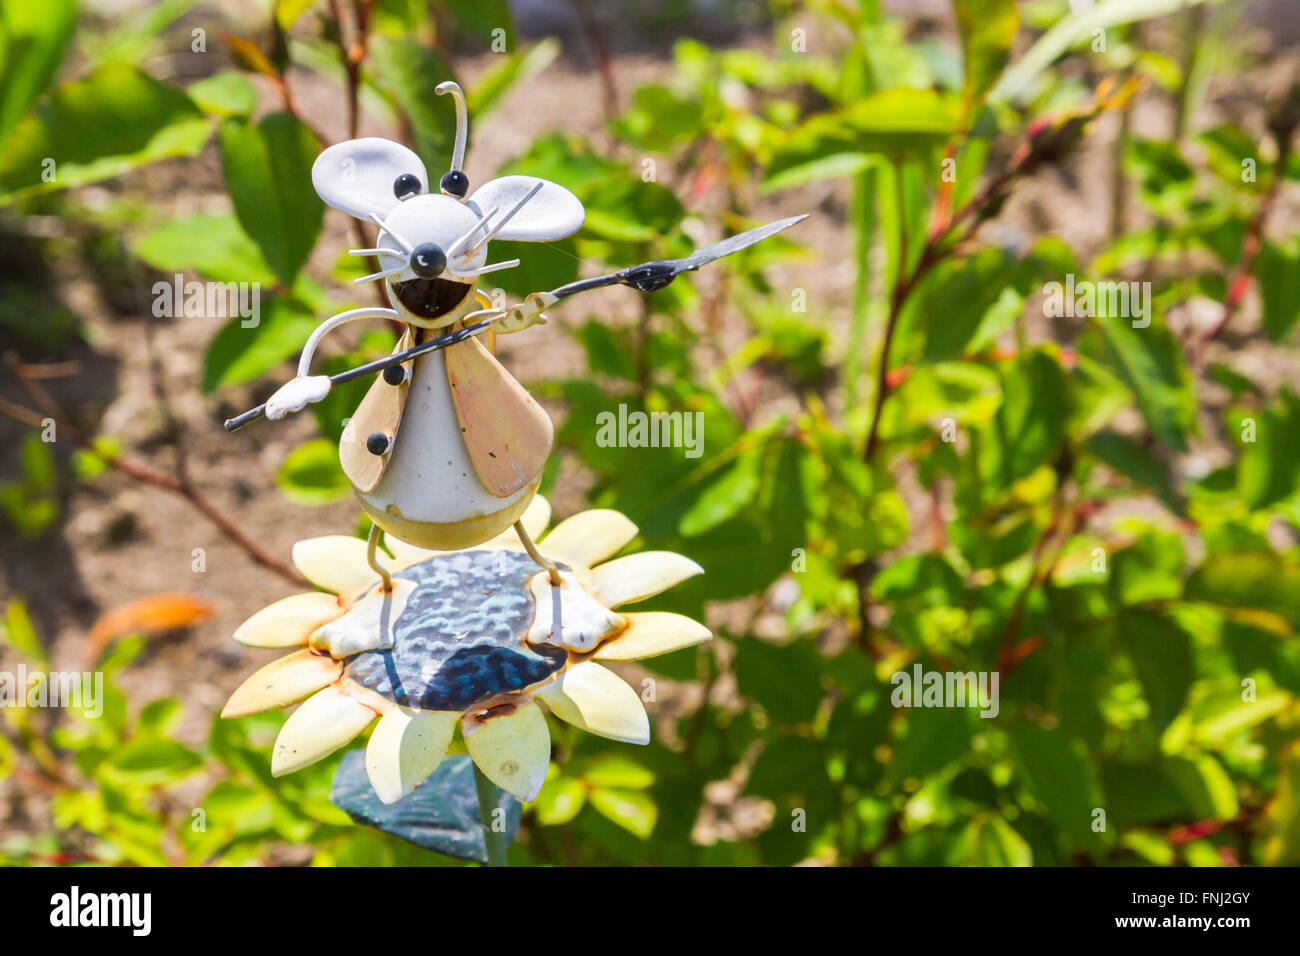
[
  {"x": 499, "y": 225},
  {"x": 379, "y": 221},
  {"x": 379, "y": 275},
  {"x": 469, "y": 235}
]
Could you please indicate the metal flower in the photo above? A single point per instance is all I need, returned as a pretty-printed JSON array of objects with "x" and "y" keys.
[{"x": 474, "y": 638}]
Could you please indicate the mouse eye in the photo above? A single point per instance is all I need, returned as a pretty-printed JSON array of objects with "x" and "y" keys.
[
  {"x": 406, "y": 185},
  {"x": 455, "y": 183}
]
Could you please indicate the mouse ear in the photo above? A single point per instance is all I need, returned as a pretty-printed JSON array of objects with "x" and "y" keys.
[
  {"x": 358, "y": 176},
  {"x": 552, "y": 213}
]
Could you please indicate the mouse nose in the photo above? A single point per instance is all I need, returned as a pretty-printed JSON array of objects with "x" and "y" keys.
[{"x": 428, "y": 260}]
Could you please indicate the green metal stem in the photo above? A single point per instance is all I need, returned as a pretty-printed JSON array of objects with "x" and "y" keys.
[{"x": 495, "y": 841}]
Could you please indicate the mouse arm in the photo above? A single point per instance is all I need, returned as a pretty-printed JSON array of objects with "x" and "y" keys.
[
  {"x": 646, "y": 277},
  {"x": 305, "y": 388}
]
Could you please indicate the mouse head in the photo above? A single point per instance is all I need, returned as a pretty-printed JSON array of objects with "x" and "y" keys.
[{"x": 434, "y": 246}]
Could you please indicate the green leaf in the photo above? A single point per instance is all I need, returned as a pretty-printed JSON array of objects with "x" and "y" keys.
[
  {"x": 33, "y": 37},
  {"x": 617, "y": 772},
  {"x": 267, "y": 166},
  {"x": 1249, "y": 580},
  {"x": 1074, "y": 30},
  {"x": 1164, "y": 177},
  {"x": 242, "y": 808},
  {"x": 1278, "y": 270},
  {"x": 988, "y": 29},
  {"x": 968, "y": 304},
  {"x": 478, "y": 20},
  {"x": 18, "y": 632},
  {"x": 788, "y": 765},
  {"x": 561, "y": 799},
  {"x": 1059, "y": 779},
  {"x": 312, "y": 475},
  {"x": 1205, "y": 785},
  {"x": 238, "y": 354},
  {"x": 227, "y": 94},
  {"x": 1135, "y": 462},
  {"x": 1269, "y": 469},
  {"x": 919, "y": 580},
  {"x": 994, "y": 842},
  {"x": 134, "y": 38},
  {"x": 1162, "y": 655},
  {"x": 100, "y": 126},
  {"x": 1220, "y": 717},
  {"x": 607, "y": 353},
  {"x": 1150, "y": 361},
  {"x": 287, "y": 12},
  {"x": 1283, "y": 815},
  {"x": 633, "y": 810},
  {"x": 514, "y": 69},
  {"x": 625, "y": 209},
  {"x": 153, "y": 762},
  {"x": 1148, "y": 793},
  {"x": 1151, "y": 569},
  {"x": 546, "y": 265},
  {"x": 1031, "y": 420},
  {"x": 159, "y": 718},
  {"x": 213, "y": 246},
  {"x": 888, "y": 121},
  {"x": 735, "y": 490},
  {"x": 785, "y": 681},
  {"x": 931, "y": 739},
  {"x": 1227, "y": 148},
  {"x": 409, "y": 71}
]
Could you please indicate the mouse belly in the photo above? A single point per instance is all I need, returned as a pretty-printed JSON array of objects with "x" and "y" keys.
[{"x": 430, "y": 495}]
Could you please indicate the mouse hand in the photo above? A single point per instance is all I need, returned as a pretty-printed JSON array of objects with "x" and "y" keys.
[
  {"x": 296, "y": 394},
  {"x": 528, "y": 313}
]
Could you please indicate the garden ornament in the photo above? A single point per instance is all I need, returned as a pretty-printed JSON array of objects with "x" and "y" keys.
[
  {"x": 472, "y": 638},
  {"x": 462, "y": 619},
  {"x": 474, "y": 442}
]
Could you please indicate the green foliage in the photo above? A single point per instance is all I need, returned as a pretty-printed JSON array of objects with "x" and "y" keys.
[
  {"x": 96, "y": 127},
  {"x": 268, "y": 172}
]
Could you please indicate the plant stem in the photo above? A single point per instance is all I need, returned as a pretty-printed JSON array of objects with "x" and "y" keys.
[
  {"x": 181, "y": 487},
  {"x": 493, "y": 840}
]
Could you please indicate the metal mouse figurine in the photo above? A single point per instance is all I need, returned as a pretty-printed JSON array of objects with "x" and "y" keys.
[{"x": 473, "y": 441}]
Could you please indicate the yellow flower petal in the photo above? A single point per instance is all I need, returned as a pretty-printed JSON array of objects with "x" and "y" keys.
[
  {"x": 335, "y": 562},
  {"x": 513, "y": 751},
  {"x": 289, "y": 621},
  {"x": 405, "y": 554},
  {"x": 283, "y": 682},
  {"x": 650, "y": 633},
  {"x": 639, "y": 576},
  {"x": 535, "y": 518},
  {"x": 597, "y": 700},
  {"x": 405, "y": 748},
  {"x": 325, "y": 722},
  {"x": 589, "y": 536}
]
